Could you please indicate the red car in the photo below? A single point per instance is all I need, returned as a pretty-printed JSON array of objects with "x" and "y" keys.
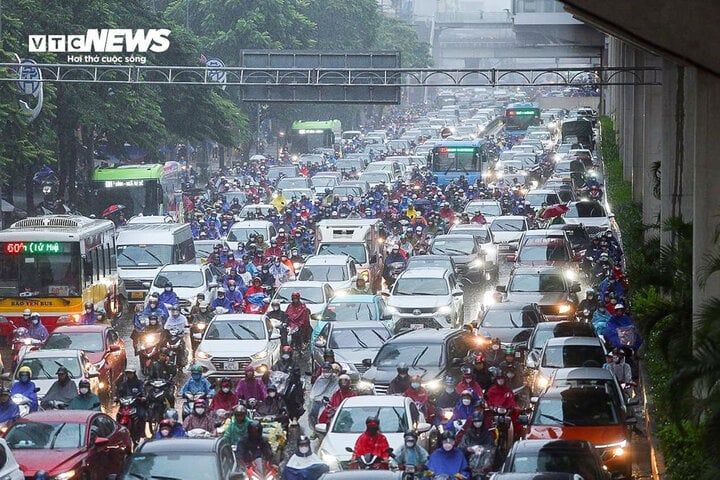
[
  {"x": 69, "y": 444},
  {"x": 102, "y": 345}
]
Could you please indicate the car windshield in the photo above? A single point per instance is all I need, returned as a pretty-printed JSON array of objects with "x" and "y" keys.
[
  {"x": 356, "y": 251},
  {"x": 358, "y": 337},
  {"x": 379, "y": 167},
  {"x": 418, "y": 355},
  {"x": 583, "y": 210},
  {"x": 555, "y": 460},
  {"x": 503, "y": 225},
  {"x": 322, "y": 182},
  {"x": 374, "y": 176},
  {"x": 550, "y": 251},
  {"x": 236, "y": 330},
  {"x": 537, "y": 199},
  {"x": 352, "y": 419},
  {"x": 170, "y": 465},
  {"x": 45, "y": 367},
  {"x": 453, "y": 246},
  {"x": 542, "y": 336},
  {"x": 144, "y": 255},
  {"x": 509, "y": 319},
  {"x": 307, "y": 294},
  {"x": 345, "y": 191},
  {"x": 87, "y": 341},
  {"x": 571, "y": 356},
  {"x": 482, "y": 234},
  {"x": 352, "y": 311},
  {"x": 420, "y": 286},
  {"x": 491, "y": 209},
  {"x": 421, "y": 261},
  {"x": 182, "y": 279},
  {"x": 577, "y": 410},
  {"x": 537, "y": 282},
  {"x": 40, "y": 435},
  {"x": 242, "y": 234},
  {"x": 203, "y": 250},
  {"x": 323, "y": 273},
  {"x": 292, "y": 183}
]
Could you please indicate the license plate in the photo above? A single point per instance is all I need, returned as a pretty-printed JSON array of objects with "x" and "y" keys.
[
  {"x": 137, "y": 295},
  {"x": 231, "y": 366},
  {"x": 417, "y": 326}
]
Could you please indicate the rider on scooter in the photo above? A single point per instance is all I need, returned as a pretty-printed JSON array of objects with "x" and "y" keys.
[{"x": 372, "y": 442}]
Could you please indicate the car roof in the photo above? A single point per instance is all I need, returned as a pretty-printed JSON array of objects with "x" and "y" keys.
[
  {"x": 182, "y": 267},
  {"x": 418, "y": 258},
  {"x": 544, "y": 233},
  {"x": 52, "y": 353},
  {"x": 581, "y": 341},
  {"x": 357, "y": 324},
  {"x": 178, "y": 445},
  {"x": 455, "y": 237},
  {"x": 252, "y": 223},
  {"x": 584, "y": 373},
  {"x": 508, "y": 217},
  {"x": 528, "y": 446},
  {"x": 561, "y": 391},
  {"x": 239, "y": 316},
  {"x": 538, "y": 269},
  {"x": 511, "y": 306},
  {"x": 303, "y": 284},
  {"x": 425, "y": 334},
  {"x": 327, "y": 260},
  {"x": 374, "y": 400},
  {"x": 430, "y": 272},
  {"x": 58, "y": 416},
  {"x": 98, "y": 327}
]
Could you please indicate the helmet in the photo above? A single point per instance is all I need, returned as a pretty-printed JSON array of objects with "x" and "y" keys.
[
  {"x": 172, "y": 415},
  {"x": 166, "y": 423},
  {"x": 275, "y": 302},
  {"x": 416, "y": 378},
  {"x": 479, "y": 358},
  {"x": 84, "y": 383},
  {"x": 328, "y": 352},
  {"x": 225, "y": 382},
  {"x": 295, "y": 295},
  {"x": 478, "y": 417},
  {"x": 410, "y": 434},
  {"x": 203, "y": 305},
  {"x": 510, "y": 351},
  {"x": 303, "y": 440},
  {"x": 168, "y": 284},
  {"x": 249, "y": 369},
  {"x": 130, "y": 370},
  {"x": 402, "y": 368},
  {"x": 41, "y": 475},
  {"x": 27, "y": 312},
  {"x": 344, "y": 380},
  {"x": 449, "y": 381},
  {"x": 25, "y": 369},
  {"x": 272, "y": 387},
  {"x": 619, "y": 306},
  {"x": 221, "y": 290},
  {"x": 254, "y": 429},
  {"x": 200, "y": 402},
  {"x": 287, "y": 349},
  {"x": 466, "y": 370},
  {"x": 240, "y": 409},
  {"x": 466, "y": 393},
  {"x": 448, "y": 435},
  {"x": 196, "y": 369},
  {"x": 89, "y": 305},
  {"x": 372, "y": 421}
]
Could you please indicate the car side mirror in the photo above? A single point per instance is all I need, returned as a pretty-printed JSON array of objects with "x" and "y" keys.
[
  {"x": 101, "y": 442},
  {"x": 92, "y": 375},
  {"x": 575, "y": 287},
  {"x": 367, "y": 362},
  {"x": 386, "y": 316},
  {"x": 611, "y": 215},
  {"x": 321, "y": 427},
  {"x": 212, "y": 285},
  {"x": 423, "y": 427},
  {"x": 457, "y": 293},
  {"x": 534, "y": 399},
  {"x": 524, "y": 420},
  {"x": 531, "y": 363},
  {"x": 501, "y": 289},
  {"x": 631, "y": 402},
  {"x": 115, "y": 347}
]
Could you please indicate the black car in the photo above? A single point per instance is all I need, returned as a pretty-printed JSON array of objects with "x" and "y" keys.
[
  {"x": 467, "y": 253},
  {"x": 546, "y": 330},
  {"x": 577, "y": 234},
  {"x": 556, "y": 457},
  {"x": 511, "y": 322},
  {"x": 431, "y": 353},
  {"x": 182, "y": 459}
]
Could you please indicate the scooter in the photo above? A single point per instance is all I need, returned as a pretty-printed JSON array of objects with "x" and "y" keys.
[
  {"x": 127, "y": 416},
  {"x": 148, "y": 350},
  {"x": 157, "y": 401},
  {"x": 23, "y": 402},
  {"x": 22, "y": 343},
  {"x": 176, "y": 346},
  {"x": 480, "y": 461},
  {"x": 260, "y": 470},
  {"x": 367, "y": 462}
]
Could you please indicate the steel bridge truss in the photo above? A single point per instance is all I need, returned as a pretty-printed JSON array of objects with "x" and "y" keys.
[{"x": 336, "y": 77}]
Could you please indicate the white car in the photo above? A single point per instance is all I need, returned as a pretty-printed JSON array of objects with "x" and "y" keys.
[
  {"x": 339, "y": 271},
  {"x": 591, "y": 214},
  {"x": 233, "y": 341},
  {"x": 188, "y": 282},
  {"x": 489, "y": 208},
  {"x": 508, "y": 229},
  {"x": 376, "y": 178},
  {"x": 315, "y": 295},
  {"x": 566, "y": 352},
  {"x": 241, "y": 231},
  {"x": 9, "y": 468},
  {"x": 397, "y": 415}
]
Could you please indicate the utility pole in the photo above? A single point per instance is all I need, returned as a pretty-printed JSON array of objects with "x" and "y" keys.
[{"x": 187, "y": 14}]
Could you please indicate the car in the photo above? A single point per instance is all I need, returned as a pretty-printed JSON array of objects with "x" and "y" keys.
[
  {"x": 429, "y": 352},
  {"x": 507, "y": 230},
  {"x": 539, "y": 196},
  {"x": 45, "y": 363},
  {"x": 188, "y": 282},
  {"x": 549, "y": 287},
  {"x": 546, "y": 330},
  {"x": 425, "y": 261},
  {"x": 339, "y": 271},
  {"x": 536, "y": 476},
  {"x": 376, "y": 178},
  {"x": 351, "y": 342},
  {"x": 397, "y": 415},
  {"x": 546, "y": 247},
  {"x": 232, "y": 341},
  {"x": 483, "y": 235},
  {"x": 468, "y": 255},
  {"x": 427, "y": 298},
  {"x": 395, "y": 169},
  {"x": 511, "y": 322},
  {"x": 101, "y": 343},
  {"x": 182, "y": 459},
  {"x": 240, "y": 231},
  {"x": 575, "y": 377},
  {"x": 293, "y": 183},
  {"x": 591, "y": 214},
  {"x": 587, "y": 413},
  {"x": 291, "y": 194},
  {"x": 554, "y": 456},
  {"x": 259, "y": 210},
  {"x": 203, "y": 249},
  {"x": 315, "y": 295},
  {"x": 565, "y": 352},
  {"x": 279, "y": 171},
  {"x": 361, "y": 308},
  {"x": 577, "y": 234},
  {"x": 343, "y": 191},
  {"x": 324, "y": 180},
  {"x": 9, "y": 468},
  {"x": 77, "y": 444}
]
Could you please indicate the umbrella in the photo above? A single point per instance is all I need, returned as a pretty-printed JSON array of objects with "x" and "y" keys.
[
  {"x": 553, "y": 211},
  {"x": 112, "y": 209},
  {"x": 257, "y": 158},
  {"x": 7, "y": 206}
]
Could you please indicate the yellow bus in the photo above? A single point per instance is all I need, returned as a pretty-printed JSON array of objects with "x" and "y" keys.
[{"x": 53, "y": 265}]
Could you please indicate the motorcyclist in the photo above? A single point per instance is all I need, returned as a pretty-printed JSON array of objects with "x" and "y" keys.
[
  {"x": 9, "y": 411},
  {"x": 600, "y": 318},
  {"x": 344, "y": 391},
  {"x": 304, "y": 465},
  {"x": 298, "y": 318},
  {"x": 401, "y": 382},
  {"x": 199, "y": 418},
  {"x": 590, "y": 302},
  {"x": 361, "y": 287},
  {"x": 495, "y": 355},
  {"x": 467, "y": 382},
  {"x": 446, "y": 400},
  {"x": 221, "y": 301},
  {"x": 253, "y": 446},
  {"x": 236, "y": 297},
  {"x": 482, "y": 375},
  {"x": 372, "y": 442},
  {"x": 165, "y": 429},
  {"x": 620, "y": 331},
  {"x": 323, "y": 388},
  {"x": 37, "y": 330},
  {"x": 162, "y": 369},
  {"x": 512, "y": 369},
  {"x": 237, "y": 428},
  {"x": 88, "y": 316},
  {"x": 328, "y": 356},
  {"x": 197, "y": 383},
  {"x": 63, "y": 390},
  {"x": 172, "y": 420},
  {"x": 418, "y": 394},
  {"x": 448, "y": 460},
  {"x": 168, "y": 296},
  {"x": 85, "y": 399},
  {"x": 294, "y": 395},
  {"x": 463, "y": 410},
  {"x": 250, "y": 386},
  {"x": 617, "y": 365},
  {"x": 393, "y": 257},
  {"x": 26, "y": 387},
  {"x": 176, "y": 320},
  {"x": 477, "y": 433},
  {"x": 155, "y": 306},
  {"x": 411, "y": 453},
  {"x": 286, "y": 362},
  {"x": 274, "y": 406},
  {"x": 224, "y": 398}
]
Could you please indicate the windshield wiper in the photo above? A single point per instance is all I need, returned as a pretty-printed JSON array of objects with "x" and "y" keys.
[
  {"x": 137, "y": 475},
  {"x": 419, "y": 356},
  {"x": 362, "y": 344},
  {"x": 42, "y": 369},
  {"x": 556, "y": 419},
  {"x": 163, "y": 477},
  {"x": 253, "y": 334},
  {"x": 454, "y": 250},
  {"x": 160, "y": 262},
  {"x": 129, "y": 258},
  {"x": 55, "y": 435},
  {"x": 379, "y": 336}
]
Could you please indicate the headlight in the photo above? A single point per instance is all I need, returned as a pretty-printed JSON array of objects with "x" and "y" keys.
[
  {"x": 260, "y": 355},
  {"x": 65, "y": 475},
  {"x": 490, "y": 251},
  {"x": 433, "y": 385},
  {"x": 564, "y": 308},
  {"x": 297, "y": 265},
  {"x": 202, "y": 355},
  {"x": 151, "y": 339},
  {"x": 364, "y": 385},
  {"x": 477, "y": 263},
  {"x": 571, "y": 275},
  {"x": 200, "y": 325},
  {"x": 444, "y": 309},
  {"x": 542, "y": 381}
]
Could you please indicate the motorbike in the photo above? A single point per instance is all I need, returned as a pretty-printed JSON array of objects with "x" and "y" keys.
[
  {"x": 367, "y": 462},
  {"x": 157, "y": 401},
  {"x": 257, "y": 303},
  {"x": 197, "y": 329},
  {"x": 128, "y": 417},
  {"x": 148, "y": 350},
  {"x": 56, "y": 405},
  {"x": 409, "y": 471},
  {"x": 503, "y": 423},
  {"x": 22, "y": 343},
  {"x": 480, "y": 461},
  {"x": 585, "y": 315},
  {"x": 176, "y": 346},
  {"x": 260, "y": 470},
  {"x": 190, "y": 400},
  {"x": 23, "y": 402},
  {"x": 394, "y": 271}
]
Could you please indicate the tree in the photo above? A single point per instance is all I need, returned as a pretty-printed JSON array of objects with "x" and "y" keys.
[
  {"x": 394, "y": 34},
  {"x": 343, "y": 26}
]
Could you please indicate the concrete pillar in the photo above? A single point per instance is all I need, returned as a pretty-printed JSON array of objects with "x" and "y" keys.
[
  {"x": 652, "y": 137},
  {"x": 628, "y": 114},
  {"x": 706, "y": 201},
  {"x": 638, "y": 140}
]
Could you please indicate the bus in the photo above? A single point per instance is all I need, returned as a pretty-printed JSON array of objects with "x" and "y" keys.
[
  {"x": 519, "y": 116},
  {"x": 451, "y": 159},
  {"x": 151, "y": 189},
  {"x": 53, "y": 265},
  {"x": 306, "y": 136}
]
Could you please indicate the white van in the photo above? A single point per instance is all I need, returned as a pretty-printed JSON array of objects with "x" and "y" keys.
[
  {"x": 143, "y": 248},
  {"x": 241, "y": 231}
]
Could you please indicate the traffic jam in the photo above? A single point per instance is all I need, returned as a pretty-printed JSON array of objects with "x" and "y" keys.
[{"x": 440, "y": 293}]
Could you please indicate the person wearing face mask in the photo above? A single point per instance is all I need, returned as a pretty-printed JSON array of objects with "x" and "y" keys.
[
  {"x": 304, "y": 464},
  {"x": 197, "y": 383},
  {"x": 600, "y": 318},
  {"x": 462, "y": 411},
  {"x": 617, "y": 365},
  {"x": 476, "y": 433},
  {"x": 446, "y": 401},
  {"x": 448, "y": 460},
  {"x": 286, "y": 362},
  {"x": 482, "y": 375},
  {"x": 321, "y": 391},
  {"x": 26, "y": 387},
  {"x": 372, "y": 442},
  {"x": 164, "y": 429},
  {"x": 344, "y": 391},
  {"x": 37, "y": 330},
  {"x": 250, "y": 386},
  {"x": 418, "y": 394},
  {"x": 274, "y": 407},
  {"x": 237, "y": 426},
  {"x": 225, "y": 398},
  {"x": 221, "y": 301},
  {"x": 85, "y": 399},
  {"x": 63, "y": 390},
  {"x": 401, "y": 382},
  {"x": 168, "y": 297},
  {"x": 467, "y": 382},
  {"x": 199, "y": 418},
  {"x": 235, "y": 296},
  {"x": 279, "y": 271},
  {"x": 9, "y": 411},
  {"x": 411, "y": 453},
  {"x": 88, "y": 316},
  {"x": 298, "y": 319}
]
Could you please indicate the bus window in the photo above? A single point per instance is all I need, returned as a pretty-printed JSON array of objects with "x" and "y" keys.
[
  {"x": 113, "y": 258},
  {"x": 87, "y": 270}
]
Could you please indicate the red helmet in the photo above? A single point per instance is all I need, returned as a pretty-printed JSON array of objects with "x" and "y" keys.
[{"x": 479, "y": 358}]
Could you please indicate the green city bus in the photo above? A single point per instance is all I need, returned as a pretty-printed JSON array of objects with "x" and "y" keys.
[{"x": 308, "y": 135}]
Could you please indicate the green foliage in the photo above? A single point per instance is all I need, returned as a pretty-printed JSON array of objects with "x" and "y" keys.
[
  {"x": 394, "y": 34},
  {"x": 345, "y": 26}
]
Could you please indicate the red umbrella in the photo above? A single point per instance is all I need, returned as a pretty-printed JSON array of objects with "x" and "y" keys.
[
  {"x": 554, "y": 211},
  {"x": 112, "y": 209}
]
